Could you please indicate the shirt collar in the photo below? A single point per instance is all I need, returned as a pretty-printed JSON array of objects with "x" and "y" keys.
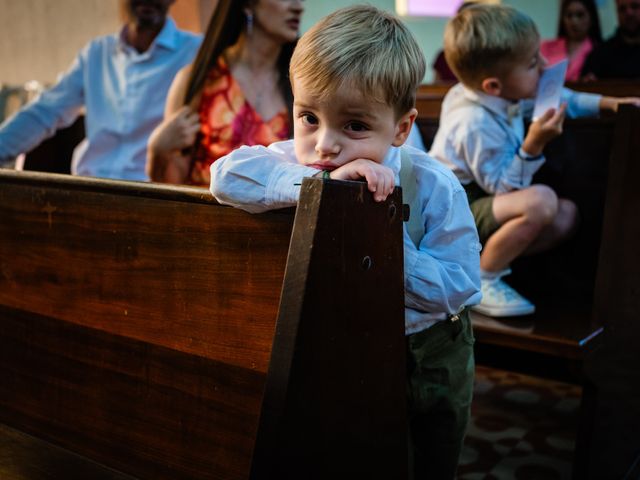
[
  {"x": 392, "y": 159},
  {"x": 507, "y": 109},
  {"x": 167, "y": 38}
]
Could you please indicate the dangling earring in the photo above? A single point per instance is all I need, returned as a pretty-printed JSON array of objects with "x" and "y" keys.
[{"x": 249, "y": 23}]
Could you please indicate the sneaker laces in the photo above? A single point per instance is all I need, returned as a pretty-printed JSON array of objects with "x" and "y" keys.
[{"x": 496, "y": 287}]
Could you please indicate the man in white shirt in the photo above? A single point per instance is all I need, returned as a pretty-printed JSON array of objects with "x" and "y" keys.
[{"x": 122, "y": 81}]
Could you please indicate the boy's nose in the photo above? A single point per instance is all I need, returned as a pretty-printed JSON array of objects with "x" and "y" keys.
[
  {"x": 326, "y": 144},
  {"x": 543, "y": 62}
]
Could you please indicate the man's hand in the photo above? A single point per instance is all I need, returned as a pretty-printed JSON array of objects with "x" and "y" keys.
[
  {"x": 543, "y": 130},
  {"x": 380, "y": 179}
]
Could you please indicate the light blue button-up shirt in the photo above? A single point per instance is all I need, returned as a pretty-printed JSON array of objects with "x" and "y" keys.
[
  {"x": 123, "y": 92},
  {"x": 480, "y": 136},
  {"x": 442, "y": 273}
]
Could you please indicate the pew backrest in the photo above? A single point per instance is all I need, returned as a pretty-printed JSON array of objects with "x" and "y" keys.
[{"x": 166, "y": 336}]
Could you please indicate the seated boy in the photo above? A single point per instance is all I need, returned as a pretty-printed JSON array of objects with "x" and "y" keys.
[
  {"x": 354, "y": 77},
  {"x": 494, "y": 51}
]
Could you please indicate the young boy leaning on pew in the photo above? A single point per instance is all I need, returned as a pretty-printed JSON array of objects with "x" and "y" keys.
[
  {"x": 354, "y": 77},
  {"x": 495, "y": 52}
]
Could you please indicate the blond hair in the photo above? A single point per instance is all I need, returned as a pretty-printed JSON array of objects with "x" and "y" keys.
[
  {"x": 363, "y": 47},
  {"x": 486, "y": 40}
]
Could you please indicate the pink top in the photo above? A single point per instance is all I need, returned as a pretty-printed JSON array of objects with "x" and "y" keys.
[{"x": 556, "y": 50}]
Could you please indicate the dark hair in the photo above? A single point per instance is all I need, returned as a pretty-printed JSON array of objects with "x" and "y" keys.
[
  {"x": 594, "y": 33},
  {"x": 226, "y": 24}
]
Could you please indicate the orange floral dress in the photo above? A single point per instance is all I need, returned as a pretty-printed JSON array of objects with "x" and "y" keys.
[{"x": 227, "y": 122}]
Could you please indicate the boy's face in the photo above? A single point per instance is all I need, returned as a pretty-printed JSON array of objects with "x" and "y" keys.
[
  {"x": 346, "y": 126},
  {"x": 522, "y": 79}
]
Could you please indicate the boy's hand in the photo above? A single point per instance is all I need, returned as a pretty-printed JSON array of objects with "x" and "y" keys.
[
  {"x": 546, "y": 128},
  {"x": 612, "y": 103},
  {"x": 380, "y": 179}
]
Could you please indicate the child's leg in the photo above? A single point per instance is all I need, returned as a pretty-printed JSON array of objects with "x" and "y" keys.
[
  {"x": 522, "y": 215},
  {"x": 440, "y": 385},
  {"x": 529, "y": 220},
  {"x": 563, "y": 226}
]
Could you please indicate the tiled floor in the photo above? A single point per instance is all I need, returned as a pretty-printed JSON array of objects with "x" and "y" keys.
[{"x": 522, "y": 428}]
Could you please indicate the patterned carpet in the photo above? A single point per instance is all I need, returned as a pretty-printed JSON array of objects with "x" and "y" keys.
[{"x": 522, "y": 428}]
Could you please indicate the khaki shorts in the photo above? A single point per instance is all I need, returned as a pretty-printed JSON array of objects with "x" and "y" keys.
[{"x": 481, "y": 205}]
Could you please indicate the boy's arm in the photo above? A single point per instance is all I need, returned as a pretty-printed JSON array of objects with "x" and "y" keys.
[
  {"x": 496, "y": 161},
  {"x": 259, "y": 178},
  {"x": 443, "y": 273},
  {"x": 581, "y": 104}
]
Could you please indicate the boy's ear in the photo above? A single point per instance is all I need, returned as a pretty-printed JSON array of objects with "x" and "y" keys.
[
  {"x": 491, "y": 86},
  {"x": 403, "y": 127}
]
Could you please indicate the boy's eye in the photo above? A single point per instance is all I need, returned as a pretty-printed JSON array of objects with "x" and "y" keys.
[
  {"x": 357, "y": 127},
  {"x": 308, "y": 119}
]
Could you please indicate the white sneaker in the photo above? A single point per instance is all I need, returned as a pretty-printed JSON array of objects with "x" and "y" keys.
[{"x": 500, "y": 300}]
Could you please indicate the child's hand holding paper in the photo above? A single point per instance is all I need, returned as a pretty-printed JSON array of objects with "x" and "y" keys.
[{"x": 550, "y": 88}]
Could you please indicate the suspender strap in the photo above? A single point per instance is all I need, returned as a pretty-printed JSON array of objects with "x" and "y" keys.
[{"x": 415, "y": 227}]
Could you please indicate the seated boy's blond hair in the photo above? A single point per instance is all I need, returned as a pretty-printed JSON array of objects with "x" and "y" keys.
[
  {"x": 365, "y": 48},
  {"x": 484, "y": 41}
]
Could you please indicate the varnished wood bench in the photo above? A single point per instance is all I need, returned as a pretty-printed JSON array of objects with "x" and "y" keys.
[
  {"x": 153, "y": 331},
  {"x": 615, "y": 451}
]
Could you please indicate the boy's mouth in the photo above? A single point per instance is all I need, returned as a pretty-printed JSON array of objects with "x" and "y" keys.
[{"x": 323, "y": 166}]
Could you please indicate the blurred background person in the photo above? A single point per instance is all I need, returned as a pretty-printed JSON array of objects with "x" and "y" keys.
[
  {"x": 235, "y": 93},
  {"x": 578, "y": 33},
  {"x": 121, "y": 81},
  {"x": 619, "y": 56}
]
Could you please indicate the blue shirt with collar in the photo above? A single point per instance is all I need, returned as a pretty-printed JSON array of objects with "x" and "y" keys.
[
  {"x": 123, "y": 93},
  {"x": 480, "y": 136}
]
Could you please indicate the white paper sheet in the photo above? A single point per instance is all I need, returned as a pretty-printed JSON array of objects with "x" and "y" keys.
[{"x": 550, "y": 88}]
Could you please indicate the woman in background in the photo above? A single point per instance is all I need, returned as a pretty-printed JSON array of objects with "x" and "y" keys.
[
  {"x": 235, "y": 93},
  {"x": 578, "y": 32}
]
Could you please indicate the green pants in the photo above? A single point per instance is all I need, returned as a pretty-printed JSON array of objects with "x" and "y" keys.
[{"x": 440, "y": 369}]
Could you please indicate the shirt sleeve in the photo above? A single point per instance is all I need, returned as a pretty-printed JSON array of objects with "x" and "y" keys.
[
  {"x": 55, "y": 108},
  {"x": 443, "y": 273},
  {"x": 495, "y": 163},
  {"x": 259, "y": 178},
  {"x": 580, "y": 104}
]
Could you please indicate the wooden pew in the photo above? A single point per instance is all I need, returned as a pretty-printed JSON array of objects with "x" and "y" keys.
[
  {"x": 153, "y": 331},
  {"x": 613, "y": 88},
  {"x": 429, "y": 99},
  {"x": 615, "y": 450}
]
